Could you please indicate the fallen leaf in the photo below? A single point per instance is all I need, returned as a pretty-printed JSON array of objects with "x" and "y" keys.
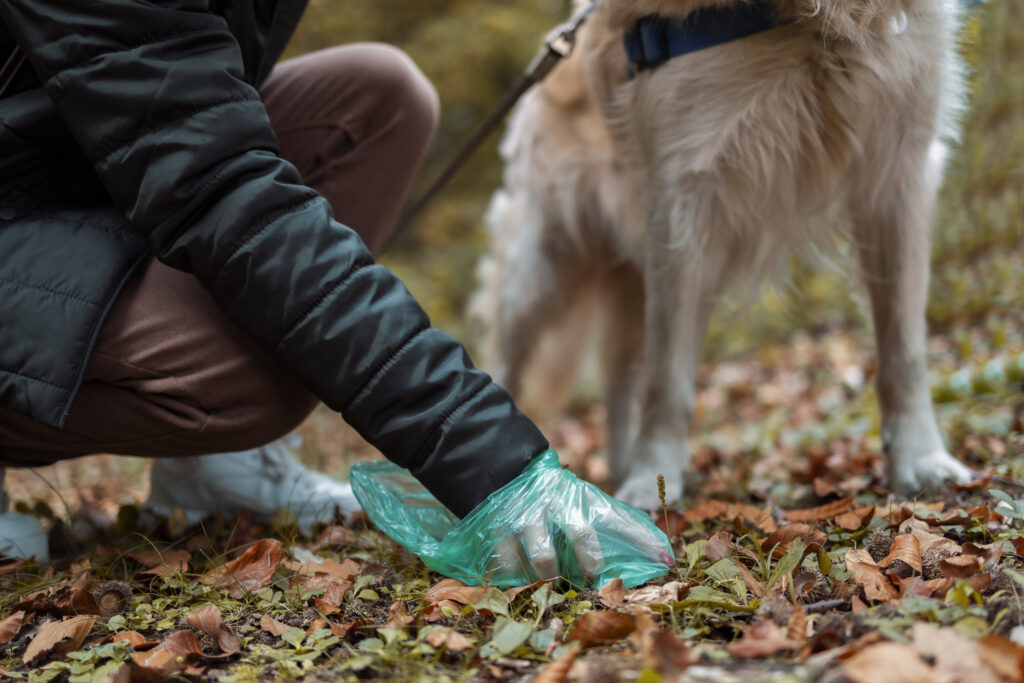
[
  {"x": 515, "y": 591},
  {"x": 888, "y": 663},
  {"x": 250, "y": 572},
  {"x": 796, "y": 629},
  {"x": 456, "y": 591},
  {"x": 333, "y": 588},
  {"x": 316, "y": 625},
  {"x": 558, "y": 670},
  {"x": 135, "y": 639},
  {"x": 855, "y": 520},
  {"x": 10, "y": 626},
  {"x": 927, "y": 539},
  {"x": 602, "y": 628},
  {"x": 753, "y": 585},
  {"x": 612, "y": 595},
  {"x": 666, "y": 594},
  {"x": 163, "y": 563},
  {"x": 990, "y": 554},
  {"x": 869, "y": 575},
  {"x": 673, "y": 524},
  {"x": 1004, "y": 656},
  {"x": 345, "y": 571},
  {"x": 1018, "y": 545},
  {"x": 208, "y": 619},
  {"x": 184, "y": 643},
  {"x": 719, "y": 546},
  {"x": 763, "y": 639},
  {"x": 780, "y": 541},
  {"x": 397, "y": 616},
  {"x": 335, "y": 537},
  {"x": 821, "y": 512},
  {"x": 52, "y": 633},
  {"x": 272, "y": 625},
  {"x": 156, "y": 665},
  {"x": 435, "y": 612},
  {"x": 450, "y": 639},
  {"x": 907, "y": 548},
  {"x": 957, "y": 658},
  {"x": 960, "y": 566},
  {"x": 668, "y": 654}
]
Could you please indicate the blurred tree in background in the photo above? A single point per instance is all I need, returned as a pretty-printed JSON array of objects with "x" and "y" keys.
[{"x": 473, "y": 52}]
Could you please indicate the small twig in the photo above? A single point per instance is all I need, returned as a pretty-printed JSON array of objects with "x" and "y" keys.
[{"x": 825, "y": 606}]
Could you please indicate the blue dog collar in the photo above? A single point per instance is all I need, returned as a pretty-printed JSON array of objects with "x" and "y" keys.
[{"x": 657, "y": 39}]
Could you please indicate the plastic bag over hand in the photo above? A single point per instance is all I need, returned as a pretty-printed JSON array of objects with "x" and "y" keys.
[{"x": 544, "y": 523}]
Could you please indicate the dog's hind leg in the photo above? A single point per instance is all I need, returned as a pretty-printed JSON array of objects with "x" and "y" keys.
[
  {"x": 679, "y": 283},
  {"x": 891, "y": 234}
]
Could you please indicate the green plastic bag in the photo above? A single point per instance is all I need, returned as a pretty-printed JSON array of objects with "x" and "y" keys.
[{"x": 546, "y": 521}]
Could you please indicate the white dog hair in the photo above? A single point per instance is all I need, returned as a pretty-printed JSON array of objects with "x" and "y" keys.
[{"x": 636, "y": 202}]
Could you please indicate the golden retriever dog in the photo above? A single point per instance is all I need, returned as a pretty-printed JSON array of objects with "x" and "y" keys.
[{"x": 636, "y": 200}]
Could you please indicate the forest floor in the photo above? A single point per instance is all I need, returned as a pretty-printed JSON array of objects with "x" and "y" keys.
[{"x": 794, "y": 562}]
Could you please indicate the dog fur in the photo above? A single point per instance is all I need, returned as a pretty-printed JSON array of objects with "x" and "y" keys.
[{"x": 638, "y": 203}]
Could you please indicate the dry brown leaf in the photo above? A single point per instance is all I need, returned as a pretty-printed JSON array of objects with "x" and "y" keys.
[
  {"x": 668, "y": 654},
  {"x": 456, "y": 591},
  {"x": 250, "y": 572},
  {"x": 796, "y": 629},
  {"x": 719, "y": 546},
  {"x": 344, "y": 571},
  {"x": 316, "y": 625},
  {"x": 184, "y": 643},
  {"x": 854, "y": 520},
  {"x": 157, "y": 665},
  {"x": 602, "y": 628},
  {"x": 136, "y": 640},
  {"x": 927, "y": 539},
  {"x": 558, "y": 670},
  {"x": 10, "y": 626},
  {"x": 656, "y": 595},
  {"x": 822, "y": 512},
  {"x": 712, "y": 509},
  {"x": 869, "y": 575},
  {"x": 672, "y": 524},
  {"x": 888, "y": 663},
  {"x": 52, "y": 634},
  {"x": 960, "y": 566},
  {"x": 1018, "y": 545},
  {"x": 450, "y": 639},
  {"x": 515, "y": 591},
  {"x": 1004, "y": 656},
  {"x": 905, "y": 547},
  {"x": 955, "y": 657},
  {"x": 435, "y": 613},
  {"x": 335, "y": 537},
  {"x": 208, "y": 619},
  {"x": 334, "y": 590},
  {"x": 272, "y": 625},
  {"x": 778, "y": 543},
  {"x": 763, "y": 639},
  {"x": 990, "y": 554},
  {"x": 613, "y": 594},
  {"x": 752, "y": 584},
  {"x": 342, "y": 630},
  {"x": 163, "y": 563},
  {"x": 397, "y": 616}
]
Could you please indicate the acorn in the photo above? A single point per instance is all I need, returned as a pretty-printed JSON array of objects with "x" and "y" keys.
[
  {"x": 878, "y": 544},
  {"x": 810, "y": 586},
  {"x": 112, "y": 598}
]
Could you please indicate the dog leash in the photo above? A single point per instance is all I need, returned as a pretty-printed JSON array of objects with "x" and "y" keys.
[{"x": 558, "y": 46}]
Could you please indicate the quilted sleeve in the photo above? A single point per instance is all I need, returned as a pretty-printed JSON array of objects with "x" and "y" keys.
[{"x": 155, "y": 96}]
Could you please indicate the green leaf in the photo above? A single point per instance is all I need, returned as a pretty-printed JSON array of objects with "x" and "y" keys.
[
  {"x": 508, "y": 636},
  {"x": 294, "y": 636},
  {"x": 824, "y": 562},
  {"x": 493, "y": 600},
  {"x": 545, "y": 598},
  {"x": 695, "y": 551},
  {"x": 787, "y": 564}
]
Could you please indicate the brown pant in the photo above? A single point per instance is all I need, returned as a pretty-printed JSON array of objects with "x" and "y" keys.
[{"x": 171, "y": 375}]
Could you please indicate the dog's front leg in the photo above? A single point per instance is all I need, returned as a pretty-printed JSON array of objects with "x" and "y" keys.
[
  {"x": 892, "y": 243},
  {"x": 678, "y": 286}
]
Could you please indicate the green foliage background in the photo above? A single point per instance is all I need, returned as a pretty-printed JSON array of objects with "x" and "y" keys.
[{"x": 473, "y": 51}]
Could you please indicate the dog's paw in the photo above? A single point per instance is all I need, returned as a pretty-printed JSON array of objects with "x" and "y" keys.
[
  {"x": 909, "y": 476},
  {"x": 641, "y": 490}
]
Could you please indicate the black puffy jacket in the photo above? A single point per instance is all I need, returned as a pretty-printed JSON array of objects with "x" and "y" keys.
[{"x": 137, "y": 129}]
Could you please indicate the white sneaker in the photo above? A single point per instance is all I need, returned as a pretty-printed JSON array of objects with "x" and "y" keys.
[
  {"x": 21, "y": 536},
  {"x": 262, "y": 481}
]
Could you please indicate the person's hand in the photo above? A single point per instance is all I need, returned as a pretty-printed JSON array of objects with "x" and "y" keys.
[{"x": 569, "y": 528}]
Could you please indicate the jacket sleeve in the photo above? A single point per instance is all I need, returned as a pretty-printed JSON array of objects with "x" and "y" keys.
[{"x": 155, "y": 95}]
